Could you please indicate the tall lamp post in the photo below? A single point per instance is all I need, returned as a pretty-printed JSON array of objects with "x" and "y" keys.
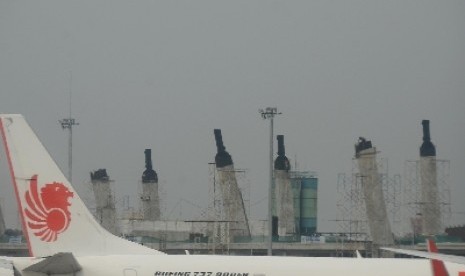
[
  {"x": 270, "y": 113},
  {"x": 69, "y": 123}
]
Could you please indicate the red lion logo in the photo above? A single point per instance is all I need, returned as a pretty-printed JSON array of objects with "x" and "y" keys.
[{"x": 48, "y": 215}]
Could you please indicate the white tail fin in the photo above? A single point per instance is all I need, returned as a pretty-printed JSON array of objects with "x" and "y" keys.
[{"x": 54, "y": 218}]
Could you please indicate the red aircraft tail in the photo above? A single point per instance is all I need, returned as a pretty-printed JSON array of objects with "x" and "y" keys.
[{"x": 438, "y": 267}]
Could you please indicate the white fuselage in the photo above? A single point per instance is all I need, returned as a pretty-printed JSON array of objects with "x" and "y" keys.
[{"x": 197, "y": 265}]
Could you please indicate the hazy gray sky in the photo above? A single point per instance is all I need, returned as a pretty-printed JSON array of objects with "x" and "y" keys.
[{"x": 164, "y": 74}]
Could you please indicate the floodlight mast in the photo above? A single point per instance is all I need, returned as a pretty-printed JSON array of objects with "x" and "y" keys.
[
  {"x": 68, "y": 123},
  {"x": 270, "y": 113}
]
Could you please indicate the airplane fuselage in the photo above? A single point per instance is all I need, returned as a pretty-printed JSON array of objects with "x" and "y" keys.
[{"x": 202, "y": 265}]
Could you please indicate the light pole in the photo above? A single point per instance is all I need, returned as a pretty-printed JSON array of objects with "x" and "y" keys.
[
  {"x": 68, "y": 123},
  {"x": 269, "y": 113}
]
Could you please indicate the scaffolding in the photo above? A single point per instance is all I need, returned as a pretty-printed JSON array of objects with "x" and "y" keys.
[
  {"x": 412, "y": 197},
  {"x": 149, "y": 200},
  {"x": 104, "y": 201},
  {"x": 351, "y": 216},
  {"x": 87, "y": 195},
  {"x": 351, "y": 210},
  {"x": 162, "y": 201},
  {"x": 392, "y": 190},
  {"x": 222, "y": 226}
]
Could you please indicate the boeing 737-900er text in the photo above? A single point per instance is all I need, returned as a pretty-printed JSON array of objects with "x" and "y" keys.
[{"x": 64, "y": 239}]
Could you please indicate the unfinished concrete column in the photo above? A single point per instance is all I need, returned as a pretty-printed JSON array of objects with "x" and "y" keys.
[
  {"x": 430, "y": 209},
  {"x": 150, "y": 199},
  {"x": 380, "y": 229},
  {"x": 233, "y": 203},
  {"x": 283, "y": 192},
  {"x": 104, "y": 202}
]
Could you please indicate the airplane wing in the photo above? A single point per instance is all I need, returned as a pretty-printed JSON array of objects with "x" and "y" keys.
[
  {"x": 60, "y": 263},
  {"x": 6, "y": 268},
  {"x": 429, "y": 255}
]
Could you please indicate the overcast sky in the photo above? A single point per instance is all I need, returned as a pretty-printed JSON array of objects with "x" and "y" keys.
[{"x": 164, "y": 74}]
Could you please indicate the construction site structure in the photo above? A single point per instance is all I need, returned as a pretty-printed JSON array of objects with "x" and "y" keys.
[
  {"x": 215, "y": 213},
  {"x": 104, "y": 200},
  {"x": 375, "y": 206},
  {"x": 427, "y": 195},
  {"x": 430, "y": 211},
  {"x": 413, "y": 200},
  {"x": 214, "y": 210},
  {"x": 351, "y": 216},
  {"x": 233, "y": 203},
  {"x": 149, "y": 197},
  {"x": 283, "y": 194}
]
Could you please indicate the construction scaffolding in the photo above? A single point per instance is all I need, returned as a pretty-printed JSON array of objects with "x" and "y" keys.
[
  {"x": 217, "y": 212},
  {"x": 104, "y": 201},
  {"x": 352, "y": 214},
  {"x": 283, "y": 203},
  {"x": 413, "y": 202},
  {"x": 150, "y": 200}
]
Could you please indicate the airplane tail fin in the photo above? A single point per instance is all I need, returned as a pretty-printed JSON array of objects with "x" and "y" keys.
[
  {"x": 438, "y": 267},
  {"x": 54, "y": 218}
]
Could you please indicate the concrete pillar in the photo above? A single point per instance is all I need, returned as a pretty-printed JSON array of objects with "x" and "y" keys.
[
  {"x": 430, "y": 209},
  {"x": 380, "y": 229},
  {"x": 233, "y": 203},
  {"x": 283, "y": 192},
  {"x": 104, "y": 201},
  {"x": 150, "y": 199}
]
